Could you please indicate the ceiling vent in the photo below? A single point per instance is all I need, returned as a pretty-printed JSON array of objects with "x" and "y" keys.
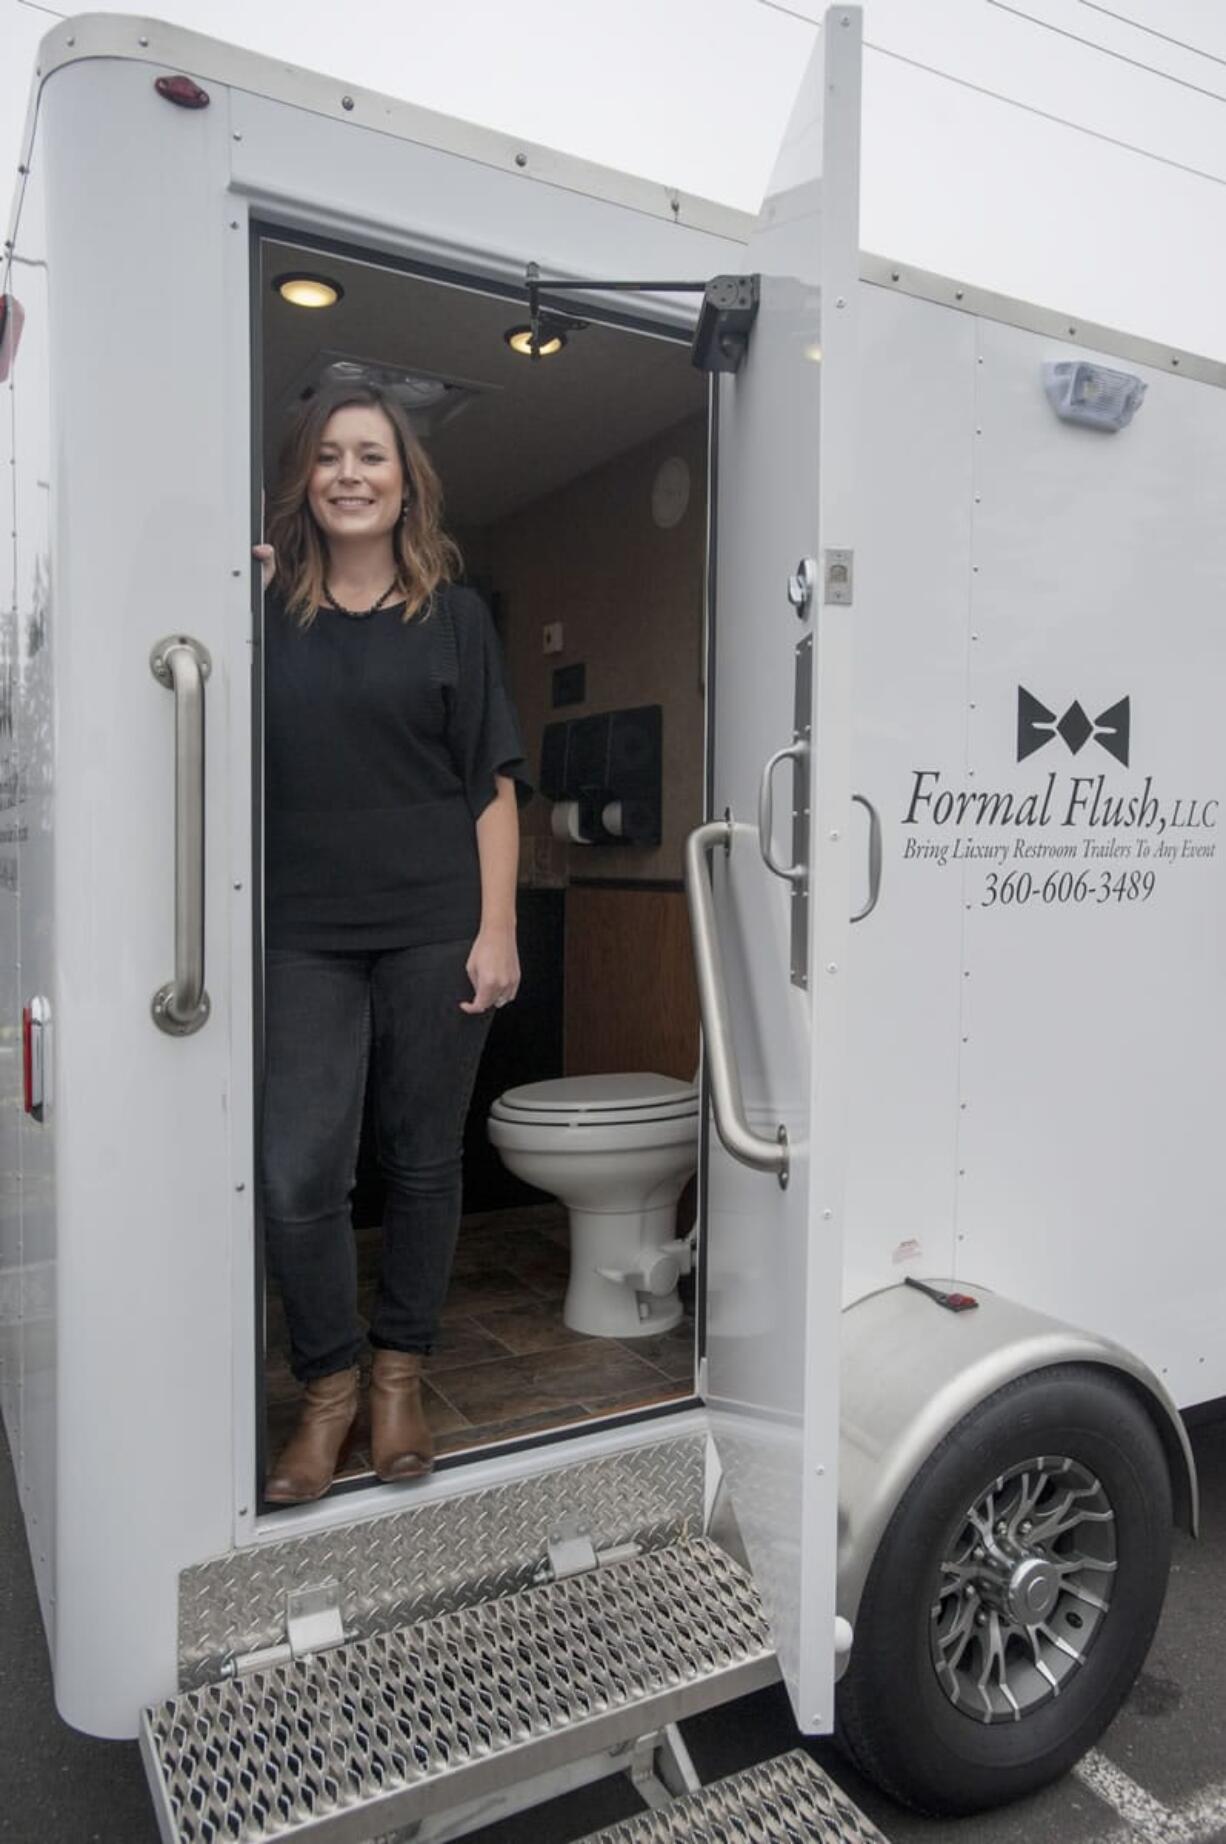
[{"x": 430, "y": 399}]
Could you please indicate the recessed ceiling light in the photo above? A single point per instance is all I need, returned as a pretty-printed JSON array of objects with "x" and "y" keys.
[
  {"x": 308, "y": 290},
  {"x": 520, "y": 340}
]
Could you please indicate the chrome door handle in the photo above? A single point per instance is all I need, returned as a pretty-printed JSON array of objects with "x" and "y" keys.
[
  {"x": 182, "y": 665},
  {"x": 730, "y": 1123},
  {"x": 797, "y": 753},
  {"x": 874, "y": 857}
]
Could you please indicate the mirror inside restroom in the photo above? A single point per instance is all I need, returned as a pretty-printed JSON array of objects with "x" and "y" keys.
[{"x": 575, "y": 489}]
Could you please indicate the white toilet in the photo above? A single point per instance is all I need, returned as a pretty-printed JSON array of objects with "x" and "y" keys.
[{"x": 617, "y": 1151}]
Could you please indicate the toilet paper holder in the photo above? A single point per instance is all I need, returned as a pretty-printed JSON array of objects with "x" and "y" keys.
[
  {"x": 603, "y": 774},
  {"x": 597, "y": 819}
]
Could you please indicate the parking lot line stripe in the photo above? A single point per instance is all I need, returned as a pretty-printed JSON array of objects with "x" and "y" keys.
[
  {"x": 1147, "y": 1816},
  {"x": 1206, "y": 1812}
]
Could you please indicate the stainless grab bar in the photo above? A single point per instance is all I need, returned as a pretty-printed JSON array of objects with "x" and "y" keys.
[
  {"x": 796, "y": 753},
  {"x": 874, "y": 857},
  {"x": 182, "y": 665},
  {"x": 729, "y": 1107}
]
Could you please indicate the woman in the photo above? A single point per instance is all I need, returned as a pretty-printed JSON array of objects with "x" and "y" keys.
[{"x": 391, "y": 757}]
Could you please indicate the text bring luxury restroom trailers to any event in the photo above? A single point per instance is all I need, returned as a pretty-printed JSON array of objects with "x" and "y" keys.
[{"x": 946, "y": 752}]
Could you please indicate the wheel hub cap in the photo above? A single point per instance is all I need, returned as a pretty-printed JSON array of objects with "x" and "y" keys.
[
  {"x": 1023, "y": 1589},
  {"x": 1034, "y": 1589}
]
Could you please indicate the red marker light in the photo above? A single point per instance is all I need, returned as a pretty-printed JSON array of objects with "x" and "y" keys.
[{"x": 183, "y": 91}]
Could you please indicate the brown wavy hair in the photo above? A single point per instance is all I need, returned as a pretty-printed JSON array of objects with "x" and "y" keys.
[{"x": 425, "y": 555}]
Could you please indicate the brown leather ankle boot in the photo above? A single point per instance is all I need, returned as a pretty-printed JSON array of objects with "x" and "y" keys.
[
  {"x": 327, "y": 1422},
  {"x": 401, "y": 1444}
]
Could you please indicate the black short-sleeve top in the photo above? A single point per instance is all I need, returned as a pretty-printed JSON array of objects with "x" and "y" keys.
[{"x": 381, "y": 742}]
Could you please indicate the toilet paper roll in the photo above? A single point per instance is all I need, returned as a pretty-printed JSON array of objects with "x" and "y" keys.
[
  {"x": 611, "y": 818},
  {"x": 564, "y": 822}
]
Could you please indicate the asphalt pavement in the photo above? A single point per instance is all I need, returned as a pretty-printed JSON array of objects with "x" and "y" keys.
[{"x": 1157, "y": 1777}]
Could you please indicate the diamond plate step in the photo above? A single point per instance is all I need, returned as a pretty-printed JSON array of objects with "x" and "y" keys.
[
  {"x": 788, "y": 1801},
  {"x": 388, "y": 1729},
  {"x": 427, "y": 1559}
]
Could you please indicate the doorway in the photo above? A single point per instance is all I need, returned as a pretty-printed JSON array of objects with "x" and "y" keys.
[{"x": 575, "y": 488}]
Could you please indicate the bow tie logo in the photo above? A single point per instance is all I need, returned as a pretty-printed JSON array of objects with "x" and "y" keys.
[{"x": 1037, "y": 725}]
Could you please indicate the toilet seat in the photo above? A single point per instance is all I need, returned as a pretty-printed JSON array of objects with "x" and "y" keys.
[{"x": 598, "y": 1101}]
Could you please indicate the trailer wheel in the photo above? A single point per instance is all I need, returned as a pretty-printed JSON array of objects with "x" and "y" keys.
[{"x": 1013, "y": 1597}]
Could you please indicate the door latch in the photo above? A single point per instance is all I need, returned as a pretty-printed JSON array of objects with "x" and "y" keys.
[{"x": 801, "y": 584}]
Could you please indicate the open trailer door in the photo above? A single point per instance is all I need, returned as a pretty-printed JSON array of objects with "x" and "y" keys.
[{"x": 770, "y": 890}]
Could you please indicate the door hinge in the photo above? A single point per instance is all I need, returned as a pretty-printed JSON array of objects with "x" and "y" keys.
[
  {"x": 314, "y": 1622},
  {"x": 571, "y": 1551}
]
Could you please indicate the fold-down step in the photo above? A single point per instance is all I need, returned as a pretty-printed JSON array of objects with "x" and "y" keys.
[
  {"x": 786, "y": 1801},
  {"x": 385, "y": 1730}
]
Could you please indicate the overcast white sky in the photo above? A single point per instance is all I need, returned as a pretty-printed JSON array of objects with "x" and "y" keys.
[{"x": 1065, "y": 151}]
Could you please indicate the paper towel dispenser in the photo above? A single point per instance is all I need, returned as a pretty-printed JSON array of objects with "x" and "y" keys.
[{"x": 603, "y": 773}]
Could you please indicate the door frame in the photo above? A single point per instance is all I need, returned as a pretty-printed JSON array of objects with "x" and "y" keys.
[{"x": 264, "y": 227}]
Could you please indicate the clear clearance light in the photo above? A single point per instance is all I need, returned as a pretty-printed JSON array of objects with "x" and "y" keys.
[
  {"x": 308, "y": 290},
  {"x": 1092, "y": 395},
  {"x": 520, "y": 340}
]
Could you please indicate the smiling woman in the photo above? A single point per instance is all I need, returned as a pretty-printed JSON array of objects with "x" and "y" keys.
[
  {"x": 357, "y": 501},
  {"x": 392, "y": 754},
  {"x": 357, "y": 493}
]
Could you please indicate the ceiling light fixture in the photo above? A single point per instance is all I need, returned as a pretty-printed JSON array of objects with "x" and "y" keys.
[
  {"x": 521, "y": 340},
  {"x": 308, "y": 290}
]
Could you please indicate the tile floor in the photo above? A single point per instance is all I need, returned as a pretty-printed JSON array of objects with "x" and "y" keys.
[{"x": 505, "y": 1364}]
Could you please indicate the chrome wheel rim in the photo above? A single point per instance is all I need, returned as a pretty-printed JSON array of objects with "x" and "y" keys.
[{"x": 1023, "y": 1589}]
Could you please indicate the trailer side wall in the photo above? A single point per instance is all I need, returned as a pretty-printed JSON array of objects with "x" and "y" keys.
[
  {"x": 1040, "y": 1000},
  {"x": 27, "y": 835},
  {"x": 150, "y": 470}
]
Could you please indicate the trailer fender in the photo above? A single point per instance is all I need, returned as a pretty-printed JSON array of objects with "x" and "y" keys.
[{"x": 911, "y": 1370}]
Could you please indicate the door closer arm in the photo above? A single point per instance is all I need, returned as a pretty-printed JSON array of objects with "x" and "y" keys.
[{"x": 721, "y": 337}]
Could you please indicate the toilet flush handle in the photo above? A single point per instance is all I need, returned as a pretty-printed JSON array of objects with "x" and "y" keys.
[{"x": 656, "y": 1270}]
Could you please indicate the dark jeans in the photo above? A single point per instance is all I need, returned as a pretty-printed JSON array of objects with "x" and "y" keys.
[{"x": 323, "y": 1013}]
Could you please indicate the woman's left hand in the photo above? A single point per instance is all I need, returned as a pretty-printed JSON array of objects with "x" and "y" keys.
[{"x": 493, "y": 968}]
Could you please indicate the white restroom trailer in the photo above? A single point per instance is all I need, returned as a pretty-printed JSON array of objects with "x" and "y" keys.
[{"x": 956, "y": 909}]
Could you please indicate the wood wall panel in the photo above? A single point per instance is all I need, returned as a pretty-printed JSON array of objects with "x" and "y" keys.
[
  {"x": 630, "y": 997},
  {"x": 629, "y": 596}
]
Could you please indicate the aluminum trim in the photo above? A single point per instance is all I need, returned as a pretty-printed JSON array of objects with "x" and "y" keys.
[
  {"x": 785, "y": 1801},
  {"x": 432, "y": 1558},
  {"x": 210, "y": 60},
  {"x": 880, "y": 272},
  {"x": 417, "y": 1721}
]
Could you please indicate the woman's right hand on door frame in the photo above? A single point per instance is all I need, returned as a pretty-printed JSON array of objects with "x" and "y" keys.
[{"x": 268, "y": 561}]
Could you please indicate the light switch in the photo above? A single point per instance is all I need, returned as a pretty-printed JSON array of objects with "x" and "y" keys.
[{"x": 551, "y": 633}]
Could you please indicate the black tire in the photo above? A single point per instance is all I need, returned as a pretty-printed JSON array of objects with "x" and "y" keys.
[{"x": 896, "y": 1717}]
